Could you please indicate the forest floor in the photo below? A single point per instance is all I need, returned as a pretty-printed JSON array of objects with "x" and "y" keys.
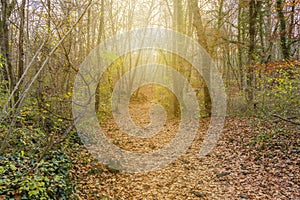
[{"x": 253, "y": 159}]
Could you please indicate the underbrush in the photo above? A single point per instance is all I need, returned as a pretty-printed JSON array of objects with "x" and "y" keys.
[
  {"x": 33, "y": 164},
  {"x": 26, "y": 176},
  {"x": 276, "y": 93}
]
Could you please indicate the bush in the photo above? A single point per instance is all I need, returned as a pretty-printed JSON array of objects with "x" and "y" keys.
[
  {"x": 23, "y": 178},
  {"x": 280, "y": 94}
]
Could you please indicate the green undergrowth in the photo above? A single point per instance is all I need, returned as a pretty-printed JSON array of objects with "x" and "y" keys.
[
  {"x": 29, "y": 170},
  {"x": 25, "y": 177}
]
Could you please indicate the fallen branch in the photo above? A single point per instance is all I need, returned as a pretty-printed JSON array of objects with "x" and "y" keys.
[{"x": 287, "y": 120}]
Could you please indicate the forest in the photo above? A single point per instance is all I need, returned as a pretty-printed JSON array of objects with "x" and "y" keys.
[{"x": 149, "y": 99}]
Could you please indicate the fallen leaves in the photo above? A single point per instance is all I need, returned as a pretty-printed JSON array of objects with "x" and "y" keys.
[{"x": 238, "y": 168}]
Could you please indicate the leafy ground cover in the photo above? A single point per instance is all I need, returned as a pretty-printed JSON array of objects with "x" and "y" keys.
[{"x": 254, "y": 159}]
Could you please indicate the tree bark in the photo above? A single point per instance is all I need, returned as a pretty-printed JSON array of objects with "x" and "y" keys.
[
  {"x": 21, "y": 44},
  {"x": 240, "y": 51},
  {"x": 251, "y": 52},
  {"x": 7, "y": 8},
  {"x": 283, "y": 32},
  {"x": 178, "y": 25},
  {"x": 202, "y": 40}
]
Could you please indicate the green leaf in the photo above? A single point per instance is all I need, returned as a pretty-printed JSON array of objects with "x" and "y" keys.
[
  {"x": 12, "y": 167},
  {"x": 2, "y": 170}
]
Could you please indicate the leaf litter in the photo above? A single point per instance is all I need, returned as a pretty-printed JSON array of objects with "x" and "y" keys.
[{"x": 253, "y": 159}]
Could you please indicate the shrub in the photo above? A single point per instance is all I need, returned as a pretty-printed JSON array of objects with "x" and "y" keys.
[{"x": 23, "y": 177}]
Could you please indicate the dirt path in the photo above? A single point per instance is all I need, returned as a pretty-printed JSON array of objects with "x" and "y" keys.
[{"x": 236, "y": 169}]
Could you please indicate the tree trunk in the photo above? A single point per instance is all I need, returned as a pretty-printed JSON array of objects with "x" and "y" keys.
[
  {"x": 292, "y": 22},
  {"x": 283, "y": 32},
  {"x": 100, "y": 37},
  {"x": 21, "y": 44},
  {"x": 202, "y": 40},
  {"x": 240, "y": 51},
  {"x": 4, "y": 43},
  {"x": 178, "y": 24},
  {"x": 101, "y": 23},
  {"x": 251, "y": 56}
]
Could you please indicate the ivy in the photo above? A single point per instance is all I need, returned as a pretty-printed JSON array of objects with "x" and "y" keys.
[{"x": 49, "y": 179}]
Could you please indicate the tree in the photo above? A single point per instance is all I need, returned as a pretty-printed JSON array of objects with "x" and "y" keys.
[
  {"x": 21, "y": 44},
  {"x": 7, "y": 7},
  {"x": 283, "y": 31},
  {"x": 202, "y": 40},
  {"x": 251, "y": 51},
  {"x": 178, "y": 25}
]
